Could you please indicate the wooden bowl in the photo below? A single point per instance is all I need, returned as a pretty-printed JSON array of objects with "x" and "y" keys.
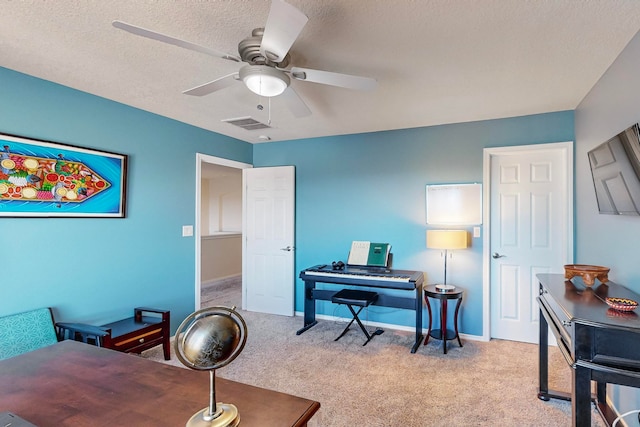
[{"x": 589, "y": 273}]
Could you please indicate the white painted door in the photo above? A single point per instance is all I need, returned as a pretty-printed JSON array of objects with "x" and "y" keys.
[
  {"x": 268, "y": 247},
  {"x": 530, "y": 232}
]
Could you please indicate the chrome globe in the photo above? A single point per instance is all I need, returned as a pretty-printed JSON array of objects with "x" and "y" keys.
[{"x": 207, "y": 340}]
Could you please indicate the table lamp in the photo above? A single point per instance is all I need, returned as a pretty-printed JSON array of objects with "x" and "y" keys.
[{"x": 446, "y": 240}]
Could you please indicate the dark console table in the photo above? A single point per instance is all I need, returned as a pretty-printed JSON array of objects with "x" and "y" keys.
[
  {"x": 599, "y": 343},
  {"x": 147, "y": 328},
  {"x": 140, "y": 332}
]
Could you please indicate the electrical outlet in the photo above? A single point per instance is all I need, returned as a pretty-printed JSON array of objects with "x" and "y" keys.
[
  {"x": 187, "y": 230},
  {"x": 476, "y": 231}
]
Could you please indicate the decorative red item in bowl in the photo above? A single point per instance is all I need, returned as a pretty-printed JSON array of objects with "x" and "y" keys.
[
  {"x": 589, "y": 273},
  {"x": 622, "y": 304}
]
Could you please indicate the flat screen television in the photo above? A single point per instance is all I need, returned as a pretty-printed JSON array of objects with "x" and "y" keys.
[{"x": 615, "y": 168}]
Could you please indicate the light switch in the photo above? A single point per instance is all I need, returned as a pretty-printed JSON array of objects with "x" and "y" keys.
[
  {"x": 476, "y": 231},
  {"x": 187, "y": 230}
]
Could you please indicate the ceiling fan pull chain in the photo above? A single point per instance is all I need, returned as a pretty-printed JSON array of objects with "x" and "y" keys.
[{"x": 269, "y": 121}]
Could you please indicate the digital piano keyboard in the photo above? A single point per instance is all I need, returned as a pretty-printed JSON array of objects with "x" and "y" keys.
[
  {"x": 364, "y": 276},
  {"x": 373, "y": 277}
]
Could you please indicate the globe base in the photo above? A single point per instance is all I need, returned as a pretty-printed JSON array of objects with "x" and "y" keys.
[{"x": 226, "y": 416}]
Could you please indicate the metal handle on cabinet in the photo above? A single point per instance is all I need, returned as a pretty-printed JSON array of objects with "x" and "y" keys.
[
  {"x": 288, "y": 249},
  {"x": 496, "y": 255}
]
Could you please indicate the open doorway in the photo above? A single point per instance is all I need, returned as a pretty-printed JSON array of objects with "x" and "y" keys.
[{"x": 218, "y": 230}]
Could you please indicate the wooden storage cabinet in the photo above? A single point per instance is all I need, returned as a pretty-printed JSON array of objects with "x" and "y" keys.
[{"x": 140, "y": 332}]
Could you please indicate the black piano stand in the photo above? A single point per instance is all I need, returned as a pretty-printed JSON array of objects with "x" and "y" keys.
[{"x": 311, "y": 295}]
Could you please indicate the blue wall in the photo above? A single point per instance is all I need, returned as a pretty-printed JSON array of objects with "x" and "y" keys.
[
  {"x": 98, "y": 270},
  {"x": 372, "y": 187},
  {"x": 351, "y": 187}
]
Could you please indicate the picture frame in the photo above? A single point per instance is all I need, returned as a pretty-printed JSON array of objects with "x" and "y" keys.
[
  {"x": 48, "y": 179},
  {"x": 454, "y": 204}
]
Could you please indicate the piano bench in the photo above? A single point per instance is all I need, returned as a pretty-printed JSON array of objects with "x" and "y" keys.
[{"x": 362, "y": 299}]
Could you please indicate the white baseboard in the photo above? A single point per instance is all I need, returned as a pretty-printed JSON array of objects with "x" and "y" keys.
[{"x": 385, "y": 325}]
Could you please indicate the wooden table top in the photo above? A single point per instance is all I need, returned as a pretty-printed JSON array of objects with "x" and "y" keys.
[{"x": 76, "y": 384}]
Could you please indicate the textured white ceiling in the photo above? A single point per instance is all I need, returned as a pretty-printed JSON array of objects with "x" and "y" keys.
[{"x": 436, "y": 61}]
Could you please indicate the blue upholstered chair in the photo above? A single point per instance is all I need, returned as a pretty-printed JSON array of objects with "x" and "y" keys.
[
  {"x": 27, "y": 331},
  {"x": 31, "y": 330}
]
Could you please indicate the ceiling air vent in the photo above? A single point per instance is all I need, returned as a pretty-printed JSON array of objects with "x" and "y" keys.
[{"x": 247, "y": 123}]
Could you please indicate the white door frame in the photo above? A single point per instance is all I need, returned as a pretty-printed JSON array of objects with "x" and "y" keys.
[
  {"x": 200, "y": 158},
  {"x": 488, "y": 153}
]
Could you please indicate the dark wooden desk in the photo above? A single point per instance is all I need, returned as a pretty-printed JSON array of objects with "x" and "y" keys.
[
  {"x": 76, "y": 384},
  {"x": 599, "y": 343}
]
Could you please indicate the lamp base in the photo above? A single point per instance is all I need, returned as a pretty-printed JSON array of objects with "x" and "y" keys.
[
  {"x": 225, "y": 416},
  {"x": 445, "y": 288}
]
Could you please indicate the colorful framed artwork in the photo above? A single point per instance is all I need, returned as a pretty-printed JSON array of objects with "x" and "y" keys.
[{"x": 48, "y": 179}]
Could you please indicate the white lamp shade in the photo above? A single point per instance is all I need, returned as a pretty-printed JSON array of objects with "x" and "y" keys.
[
  {"x": 264, "y": 80},
  {"x": 446, "y": 239}
]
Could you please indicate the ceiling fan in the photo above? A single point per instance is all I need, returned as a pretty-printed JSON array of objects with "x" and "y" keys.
[{"x": 266, "y": 54}]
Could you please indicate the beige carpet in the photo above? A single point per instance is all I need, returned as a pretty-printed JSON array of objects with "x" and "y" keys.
[{"x": 382, "y": 384}]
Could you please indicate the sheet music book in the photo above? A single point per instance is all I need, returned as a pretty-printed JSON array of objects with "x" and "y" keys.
[{"x": 369, "y": 254}]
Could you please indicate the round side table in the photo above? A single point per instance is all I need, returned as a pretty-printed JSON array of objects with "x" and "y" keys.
[{"x": 443, "y": 334}]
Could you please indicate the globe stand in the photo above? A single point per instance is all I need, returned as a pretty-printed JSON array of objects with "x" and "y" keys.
[
  {"x": 228, "y": 417},
  {"x": 212, "y": 338},
  {"x": 216, "y": 414}
]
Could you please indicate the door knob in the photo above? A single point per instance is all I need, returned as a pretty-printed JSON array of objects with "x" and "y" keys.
[
  {"x": 496, "y": 255},
  {"x": 288, "y": 249}
]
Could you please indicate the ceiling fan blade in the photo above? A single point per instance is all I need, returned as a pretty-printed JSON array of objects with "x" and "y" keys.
[
  {"x": 283, "y": 27},
  {"x": 213, "y": 86},
  {"x": 295, "y": 104},
  {"x": 139, "y": 31},
  {"x": 333, "y": 79}
]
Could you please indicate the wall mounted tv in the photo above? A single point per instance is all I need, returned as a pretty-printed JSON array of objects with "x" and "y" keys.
[{"x": 615, "y": 168}]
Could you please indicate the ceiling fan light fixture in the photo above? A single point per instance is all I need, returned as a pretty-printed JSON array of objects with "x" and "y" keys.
[{"x": 264, "y": 80}]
